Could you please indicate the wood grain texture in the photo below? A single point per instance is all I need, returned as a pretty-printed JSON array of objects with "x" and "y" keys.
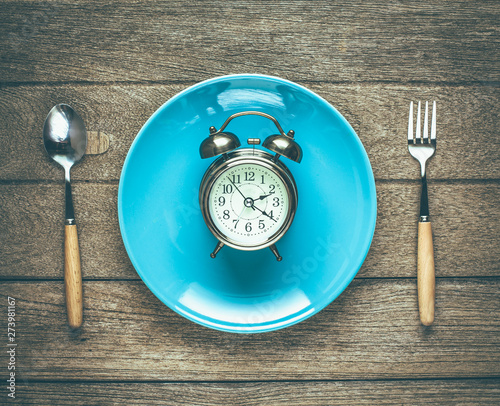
[
  {"x": 116, "y": 63},
  {"x": 436, "y": 392},
  {"x": 463, "y": 214},
  {"x": 72, "y": 277},
  {"x": 372, "y": 331},
  {"x": 97, "y": 143},
  {"x": 174, "y": 41},
  {"x": 468, "y": 139},
  {"x": 425, "y": 273},
  {"x": 39, "y": 254}
]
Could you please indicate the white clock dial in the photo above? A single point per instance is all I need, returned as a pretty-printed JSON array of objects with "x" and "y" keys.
[{"x": 249, "y": 203}]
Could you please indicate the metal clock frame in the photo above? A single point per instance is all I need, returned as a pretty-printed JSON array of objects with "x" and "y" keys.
[
  {"x": 224, "y": 143},
  {"x": 241, "y": 157}
]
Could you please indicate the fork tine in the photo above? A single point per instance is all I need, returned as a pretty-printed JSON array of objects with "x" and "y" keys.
[
  {"x": 417, "y": 133},
  {"x": 410, "y": 124},
  {"x": 433, "y": 122},
  {"x": 426, "y": 123}
]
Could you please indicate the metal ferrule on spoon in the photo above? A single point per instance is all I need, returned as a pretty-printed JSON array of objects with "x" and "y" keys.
[{"x": 70, "y": 211}]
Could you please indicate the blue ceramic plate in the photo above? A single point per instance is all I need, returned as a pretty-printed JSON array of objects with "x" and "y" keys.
[{"x": 246, "y": 292}]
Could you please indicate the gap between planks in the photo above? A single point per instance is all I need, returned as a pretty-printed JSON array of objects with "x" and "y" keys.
[
  {"x": 114, "y": 182},
  {"x": 250, "y": 381},
  {"x": 124, "y": 83}
]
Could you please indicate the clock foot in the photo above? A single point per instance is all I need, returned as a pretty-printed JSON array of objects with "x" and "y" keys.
[
  {"x": 217, "y": 249},
  {"x": 275, "y": 252}
]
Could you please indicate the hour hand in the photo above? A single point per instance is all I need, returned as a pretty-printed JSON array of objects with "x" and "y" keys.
[{"x": 263, "y": 197}]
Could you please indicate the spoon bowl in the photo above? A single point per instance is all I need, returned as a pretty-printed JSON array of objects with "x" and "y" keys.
[
  {"x": 65, "y": 140},
  {"x": 64, "y": 135}
]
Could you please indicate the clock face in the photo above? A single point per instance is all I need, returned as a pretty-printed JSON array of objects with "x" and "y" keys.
[{"x": 249, "y": 203}]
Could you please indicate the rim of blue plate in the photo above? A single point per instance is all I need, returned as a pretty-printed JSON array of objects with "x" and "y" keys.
[{"x": 291, "y": 319}]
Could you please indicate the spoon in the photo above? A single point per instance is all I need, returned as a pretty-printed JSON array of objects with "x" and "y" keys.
[{"x": 65, "y": 140}]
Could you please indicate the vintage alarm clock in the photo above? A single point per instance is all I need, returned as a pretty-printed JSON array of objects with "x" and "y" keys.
[{"x": 248, "y": 197}]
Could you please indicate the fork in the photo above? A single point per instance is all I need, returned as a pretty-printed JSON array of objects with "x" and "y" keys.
[{"x": 422, "y": 148}]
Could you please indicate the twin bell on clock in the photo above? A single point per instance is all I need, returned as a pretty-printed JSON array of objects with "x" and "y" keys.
[{"x": 248, "y": 196}]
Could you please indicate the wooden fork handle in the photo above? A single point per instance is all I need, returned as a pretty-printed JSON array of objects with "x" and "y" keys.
[
  {"x": 425, "y": 274},
  {"x": 72, "y": 277}
]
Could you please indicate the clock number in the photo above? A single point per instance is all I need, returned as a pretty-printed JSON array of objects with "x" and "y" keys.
[
  {"x": 236, "y": 179},
  {"x": 276, "y": 202},
  {"x": 227, "y": 189},
  {"x": 222, "y": 201},
  {"x": 225, "y": 215},
  {"x": 248, "y": 227},
  {"x": 236, "y": 222},
  {"x": 262, "y": 180},
  {"x": 261, "y": 224},
  {"x": 249, "y": 176},
  {"x": 270, "y": 214},
  {"x": 271, "y": 188}
]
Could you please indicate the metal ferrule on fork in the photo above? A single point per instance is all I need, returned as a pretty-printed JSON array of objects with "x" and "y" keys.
[{"x": 424, "y": 202}]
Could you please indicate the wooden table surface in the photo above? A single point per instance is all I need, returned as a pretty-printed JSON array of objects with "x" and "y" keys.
[{"x": 116, "y": 63}]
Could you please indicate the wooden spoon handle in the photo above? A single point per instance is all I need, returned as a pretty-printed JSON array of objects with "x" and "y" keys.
[
  {"x": 72, "y": 277},
  {"x": 425, "y": 274}
]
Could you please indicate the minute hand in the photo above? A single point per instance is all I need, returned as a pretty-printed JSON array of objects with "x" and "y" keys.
[
  {"x": 264, "y": 213},
  {"x": 239, "y": 191}
]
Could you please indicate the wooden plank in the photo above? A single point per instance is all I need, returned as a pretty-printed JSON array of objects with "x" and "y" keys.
[
  {"x": 174, "y": 41},
  {"x": 32, "y": 231},
  {"x": 464, "y": 230},
  {"x": 437, "y": 392},
  {"x": 468, "y": 146},
  {"x": 464, "y": 215},
  {"x": 372, "y": 331}
]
